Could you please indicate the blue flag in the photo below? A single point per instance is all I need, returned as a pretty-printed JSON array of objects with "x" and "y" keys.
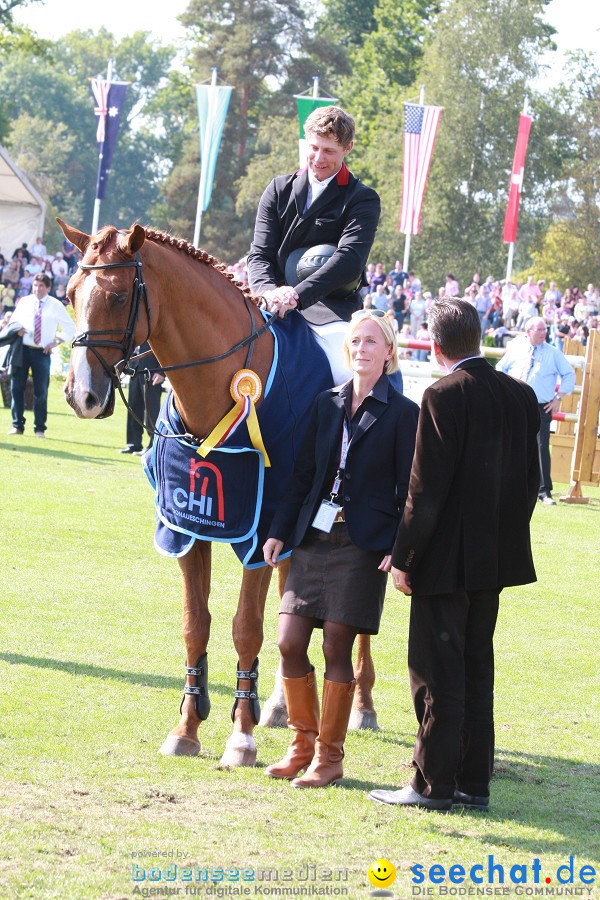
[{"x": 110, "y": 99}]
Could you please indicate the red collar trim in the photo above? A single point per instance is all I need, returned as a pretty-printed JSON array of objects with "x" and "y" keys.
[{"x": 343, "y": 176}]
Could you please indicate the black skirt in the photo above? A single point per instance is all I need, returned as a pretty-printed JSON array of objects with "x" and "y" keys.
[{"x": 333, "y": 580}]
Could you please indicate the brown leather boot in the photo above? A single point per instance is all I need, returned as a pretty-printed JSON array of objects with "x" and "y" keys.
[
  {"x": 302, "y": 704},
  {"x": 326, "y": 766}
]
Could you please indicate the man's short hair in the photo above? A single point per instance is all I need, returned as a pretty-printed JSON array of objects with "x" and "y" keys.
[
  {"x": 42, "y": 277},
  {"x": 454, "y": 326},
  {"x": 331, "y": 121}
]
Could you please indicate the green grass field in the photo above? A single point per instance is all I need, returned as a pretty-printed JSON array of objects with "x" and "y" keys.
[{"x": 91, "y": 665}]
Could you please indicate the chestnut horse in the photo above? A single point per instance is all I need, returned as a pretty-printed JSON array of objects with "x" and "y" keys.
[{"x": 142, "y": 284}]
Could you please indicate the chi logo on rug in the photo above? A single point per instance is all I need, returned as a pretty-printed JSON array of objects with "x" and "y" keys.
[{"x": 209, "y": 477}]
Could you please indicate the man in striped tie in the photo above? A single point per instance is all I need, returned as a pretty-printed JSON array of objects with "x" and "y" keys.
[{"x": 46, "y": 323}]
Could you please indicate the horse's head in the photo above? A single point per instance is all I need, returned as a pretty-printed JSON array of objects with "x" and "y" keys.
[{"x": 109, "y": 315}]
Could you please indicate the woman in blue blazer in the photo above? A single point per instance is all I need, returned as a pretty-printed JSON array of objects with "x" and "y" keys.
[{"x": 341, "y": 511}]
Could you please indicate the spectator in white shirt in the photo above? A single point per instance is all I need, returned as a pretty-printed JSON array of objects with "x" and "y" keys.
[
  {"x": 46, "y": 323},
  {"x": 39, "y": 248}
]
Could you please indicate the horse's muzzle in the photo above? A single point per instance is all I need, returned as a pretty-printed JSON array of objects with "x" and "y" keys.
[{"x": 87, "y": 404}]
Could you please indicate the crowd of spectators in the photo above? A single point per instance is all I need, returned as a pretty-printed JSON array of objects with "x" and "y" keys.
[
  {"x": 504, "y": 307},
  {"x": 18, "y": 271}
]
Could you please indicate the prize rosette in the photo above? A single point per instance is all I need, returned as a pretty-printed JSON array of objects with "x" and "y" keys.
[{"x": 246, "y": 389}]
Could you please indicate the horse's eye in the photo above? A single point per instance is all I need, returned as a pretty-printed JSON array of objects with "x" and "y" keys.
[{"x": 117, "y": 299}]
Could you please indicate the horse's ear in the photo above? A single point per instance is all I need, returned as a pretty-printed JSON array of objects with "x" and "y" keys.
[
  {"x": 79, "y": 238},
  {"x": 132, "y": 240}
]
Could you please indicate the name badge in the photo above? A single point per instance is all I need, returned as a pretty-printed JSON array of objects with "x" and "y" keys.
[{"x": 325, "y": 516}]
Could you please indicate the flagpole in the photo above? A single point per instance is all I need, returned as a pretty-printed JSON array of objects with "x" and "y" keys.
[
  {"x": 408, "y": 236},
  {"x": 96, "y": 216},
  {"x": 511, "y": 246},
  {"x": 197, "y": 226},
  {"x": 315, "y": 86}
]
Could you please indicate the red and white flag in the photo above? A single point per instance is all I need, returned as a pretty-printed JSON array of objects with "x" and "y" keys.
[
  {"x": 511, "y": 219},
  {"x": 420, "y": 130}
]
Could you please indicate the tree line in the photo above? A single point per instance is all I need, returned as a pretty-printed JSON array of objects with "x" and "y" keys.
[{"x": 476, "y": 58}]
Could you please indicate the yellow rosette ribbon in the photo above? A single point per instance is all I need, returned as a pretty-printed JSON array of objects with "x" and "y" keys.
[{"x": 246, "y": 389}]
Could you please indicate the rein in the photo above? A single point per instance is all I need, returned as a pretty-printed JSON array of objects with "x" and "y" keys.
[{"x": 127, "y": 343}]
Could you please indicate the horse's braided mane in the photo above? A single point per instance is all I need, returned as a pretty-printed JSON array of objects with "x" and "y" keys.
[{"x": 201, "y": 255}]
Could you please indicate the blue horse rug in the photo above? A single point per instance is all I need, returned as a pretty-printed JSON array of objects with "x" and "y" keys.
[{"x": 230, "y": 496}]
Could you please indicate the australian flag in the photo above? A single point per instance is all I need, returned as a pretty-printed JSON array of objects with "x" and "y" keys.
[{"x": 110, "y": 98}]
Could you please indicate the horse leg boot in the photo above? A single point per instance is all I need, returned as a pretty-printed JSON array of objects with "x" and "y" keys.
[
  {"x": 326, "y": 767},
  {"x": 302, "y": 703},
  {"x": 240, "y": 748},
  {"x": 195, "y": 569}
]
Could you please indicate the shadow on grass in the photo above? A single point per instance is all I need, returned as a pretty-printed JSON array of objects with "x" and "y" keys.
[
  {"x": 553, "y": 796},
  {"x": 42, "y": 449},
  {"x": 142, "y": 678}
]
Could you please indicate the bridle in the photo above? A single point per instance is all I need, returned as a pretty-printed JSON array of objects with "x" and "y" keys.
[{"x": 126, "y": 345}]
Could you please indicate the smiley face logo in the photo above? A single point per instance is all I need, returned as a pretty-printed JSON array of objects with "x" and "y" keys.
[{"x": 382, "y": 873}]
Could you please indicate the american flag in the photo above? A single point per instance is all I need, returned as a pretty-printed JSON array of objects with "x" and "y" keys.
[
  {"x": 511, "y": 219},
  {"x": 100, "y": 88},
  {"x": 420, "y": 129}
]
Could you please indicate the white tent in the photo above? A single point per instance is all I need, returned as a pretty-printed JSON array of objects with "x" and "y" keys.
[{"x": 22, "y": 210}]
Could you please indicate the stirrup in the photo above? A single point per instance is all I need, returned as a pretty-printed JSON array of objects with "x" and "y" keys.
[
  {"x": 200, "y": 689},
  {"x": 251, "y": 695}
]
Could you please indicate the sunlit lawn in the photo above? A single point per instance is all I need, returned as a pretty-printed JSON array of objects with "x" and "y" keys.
[{"x": 91, "y": 664}]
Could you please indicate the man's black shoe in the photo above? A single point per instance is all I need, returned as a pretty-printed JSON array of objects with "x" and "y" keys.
[
  {"x": 130, "y": 449},
  {"x": 470, "y": 801}
]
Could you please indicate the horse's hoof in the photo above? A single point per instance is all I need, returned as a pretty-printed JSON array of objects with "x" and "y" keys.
[
  {"x": 175, "y": 745},
  {"x": 273, "y": 716},
  {"x": 363, "y": 719},
  {"x": 240, "y": 750},
  {"x": 233, "y": 759}
]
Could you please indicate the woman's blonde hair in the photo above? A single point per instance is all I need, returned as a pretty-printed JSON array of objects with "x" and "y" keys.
[{"x": 384, "y": 323}]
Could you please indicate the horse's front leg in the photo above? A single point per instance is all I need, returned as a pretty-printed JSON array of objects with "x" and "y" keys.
[
  {"x": 274, "y": 714},
  {"x": 195, "y": 570},
  {"x": 240, "y": 749},
  {"x": 363, "y": 713}
]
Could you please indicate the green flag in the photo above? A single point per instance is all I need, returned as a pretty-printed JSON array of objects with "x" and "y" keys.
[{"x": 306, "y": 105}]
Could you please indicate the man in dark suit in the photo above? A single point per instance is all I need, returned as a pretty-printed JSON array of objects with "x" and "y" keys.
[
  {"x": 464, "y": 536},
  {"x": 322, "y": 204}
]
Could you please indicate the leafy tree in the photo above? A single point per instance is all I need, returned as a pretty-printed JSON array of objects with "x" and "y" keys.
[
  {"x": 6, "y": 10},
  {"x": 386, "y": 62},
  {"x": 478, "y": 63},
  {"x": 565, "y": 256},
  {"x": 347, "y": 22},
  {"x": 252, "y": 42},
  {"x": 50, "y": 84},
  {"x": 568, "y": 251},
  {"x": 43, "y": 149},
  {"x": 276, "y": 153},
  {"x": 249, "y": 41}
]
